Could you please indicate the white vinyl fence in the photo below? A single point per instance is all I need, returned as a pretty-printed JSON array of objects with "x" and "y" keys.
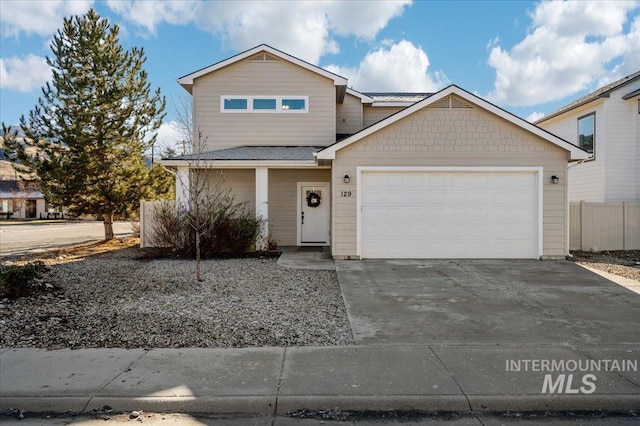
[
  {"x": 604, "y": 226},
  {"x": 147, "y": 221}
]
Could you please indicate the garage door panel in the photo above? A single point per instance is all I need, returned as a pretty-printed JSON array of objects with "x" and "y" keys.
[{"x": 449, "y": 214}]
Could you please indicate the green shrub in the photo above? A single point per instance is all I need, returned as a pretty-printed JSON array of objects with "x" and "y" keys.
[{"x": 20, "y": 280}]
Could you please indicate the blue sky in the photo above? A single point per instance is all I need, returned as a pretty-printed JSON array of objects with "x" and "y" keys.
[{"x": 527, "y": 57}]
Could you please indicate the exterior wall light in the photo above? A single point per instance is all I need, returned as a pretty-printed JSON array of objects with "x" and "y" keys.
[
  {"x": 346, "y": 179},
  {"x": 555, "y": 179}
]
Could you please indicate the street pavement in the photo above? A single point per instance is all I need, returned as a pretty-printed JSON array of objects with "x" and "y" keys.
[{"x": 34, "y": 236}]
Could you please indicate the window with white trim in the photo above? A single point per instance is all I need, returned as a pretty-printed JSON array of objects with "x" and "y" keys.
[{"x": 264, "y": 104}]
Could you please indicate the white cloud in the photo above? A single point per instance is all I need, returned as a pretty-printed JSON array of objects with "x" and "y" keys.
[
  {"x": 23, "y": 74},
  {"x": 398, "y": 67},
  {"x": 535, "y": 116},
  {"x": 42, "y": 17},
  {"x": 169, "y": 135},
  {"x": 150, "y": 14},
  {"x": 302, "y": 28},
  {"x": 569, "y": 49}
]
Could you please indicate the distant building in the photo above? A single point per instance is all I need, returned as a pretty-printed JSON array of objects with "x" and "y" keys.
[{"x": 21, "y": 199}]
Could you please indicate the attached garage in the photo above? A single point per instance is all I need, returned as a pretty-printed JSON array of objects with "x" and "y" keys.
[
  {"x": 452, "y": 176},
  {"x": 449, "y": 212}
]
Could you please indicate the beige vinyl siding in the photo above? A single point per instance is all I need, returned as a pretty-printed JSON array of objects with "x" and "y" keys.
[
  {"x": 349, "y": 115},
  {"x": 451, "y": 137},
  {"x": 587, "y": 180},
  {"x": 636, "y": 140},
  {"x": 241, "y": 181},
  {"x": 620, "y": 129},
  {"x": 374, "y": 114},
  {"x": 268, "y": 78},
  {"x": 283, "y": 187}
]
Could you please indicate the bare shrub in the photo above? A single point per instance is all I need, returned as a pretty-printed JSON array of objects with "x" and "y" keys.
[
  {"x": 226, "y": 228},
  {"x": 134, "y": 226}
]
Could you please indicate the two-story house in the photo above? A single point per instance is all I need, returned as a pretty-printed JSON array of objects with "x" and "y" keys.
[
  {"x": 377, "y": 175},
  {"x": 606, "y": 123}
]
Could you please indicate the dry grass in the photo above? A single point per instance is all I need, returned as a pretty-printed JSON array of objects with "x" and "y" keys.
[{"x": 76, "y": 252}]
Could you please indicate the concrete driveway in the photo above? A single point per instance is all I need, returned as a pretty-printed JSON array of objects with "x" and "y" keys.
[{"x": 485, "y": 302}]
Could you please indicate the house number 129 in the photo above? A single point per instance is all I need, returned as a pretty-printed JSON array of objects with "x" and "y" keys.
[{"x": 345, "y": 193}]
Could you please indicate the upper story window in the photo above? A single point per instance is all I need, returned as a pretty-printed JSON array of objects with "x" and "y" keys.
[
  {"x": 236, "y": 104},
  {"x": 264, "y": 104},
  {"x": 268, "y": 104},
  {"x": 587, "y": 132}
]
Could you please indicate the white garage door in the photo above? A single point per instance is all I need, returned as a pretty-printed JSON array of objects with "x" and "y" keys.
[{"x": 449, "y": 214}]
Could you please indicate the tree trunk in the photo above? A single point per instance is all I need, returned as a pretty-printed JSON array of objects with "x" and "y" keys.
[
  {"x": 108, "y": 226},
  {"x": 198, "y": 277}
]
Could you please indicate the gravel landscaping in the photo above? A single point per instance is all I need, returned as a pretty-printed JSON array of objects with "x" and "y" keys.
[
  {"x": 115, "y": 299},
  {"x": 625, "y": 263}
]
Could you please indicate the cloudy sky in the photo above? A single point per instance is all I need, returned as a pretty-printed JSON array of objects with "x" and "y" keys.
[{"x": 527, "y": 57}]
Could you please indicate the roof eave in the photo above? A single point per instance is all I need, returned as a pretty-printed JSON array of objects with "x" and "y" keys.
[
  {"x": 576, "y": 106},
  {"x": 363, "y": 98},
  {"x": 238, "y": 163},
  {"x": 631, "y": 95}
]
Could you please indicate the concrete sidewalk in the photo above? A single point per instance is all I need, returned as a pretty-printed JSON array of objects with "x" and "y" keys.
[{"x": 276, "y": 381}]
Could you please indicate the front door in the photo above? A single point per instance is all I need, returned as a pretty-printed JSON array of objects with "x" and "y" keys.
[
  {"x": 30, "y": 209},
  {"x": 313, "y": 220}
]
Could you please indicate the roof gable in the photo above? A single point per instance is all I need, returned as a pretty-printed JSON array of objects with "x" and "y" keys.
[
  {"x": 269, "y": 54},
  {"x": 437, "y": 100}
]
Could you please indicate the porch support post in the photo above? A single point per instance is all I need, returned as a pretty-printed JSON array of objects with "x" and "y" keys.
[
  {"x": 182, "y": 186},
  {"x": 262, "y": 206}
]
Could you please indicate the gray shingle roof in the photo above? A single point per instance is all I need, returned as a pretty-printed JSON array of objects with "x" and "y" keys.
[
  {"x": 255, "y": 153},
  {"x": 602, "y": 92},
  {"x": 398, "y": 96}
]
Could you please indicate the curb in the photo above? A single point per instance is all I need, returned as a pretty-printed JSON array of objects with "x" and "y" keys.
[{"x": 283, "y": 405}]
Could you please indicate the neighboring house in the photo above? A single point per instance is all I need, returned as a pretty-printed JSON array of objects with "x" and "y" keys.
[
  {"x": 21, "y": 200},
  {"x": 606, "y": 123},
  {"x": 443, "y": 175}
]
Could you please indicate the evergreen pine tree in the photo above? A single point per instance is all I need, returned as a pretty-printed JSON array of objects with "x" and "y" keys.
[{"x": 87, "y": 135}]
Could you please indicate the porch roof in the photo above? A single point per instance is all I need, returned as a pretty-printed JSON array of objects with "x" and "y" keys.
[{"x": 252, "y": 153}]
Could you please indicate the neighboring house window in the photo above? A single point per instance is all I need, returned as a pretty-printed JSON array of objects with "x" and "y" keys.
[
  {"x": 5, "y": 206},
  {"x": 264, "y": 104},
  {"x": 587, "y": 132}
]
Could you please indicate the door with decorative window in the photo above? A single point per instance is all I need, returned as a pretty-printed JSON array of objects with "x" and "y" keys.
[{"x": 313, "y": 213}]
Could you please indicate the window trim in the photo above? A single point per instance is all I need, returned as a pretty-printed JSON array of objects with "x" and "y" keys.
[
  {"x": 278, "y": 100},
  {"x": 591, "y": 114}
]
